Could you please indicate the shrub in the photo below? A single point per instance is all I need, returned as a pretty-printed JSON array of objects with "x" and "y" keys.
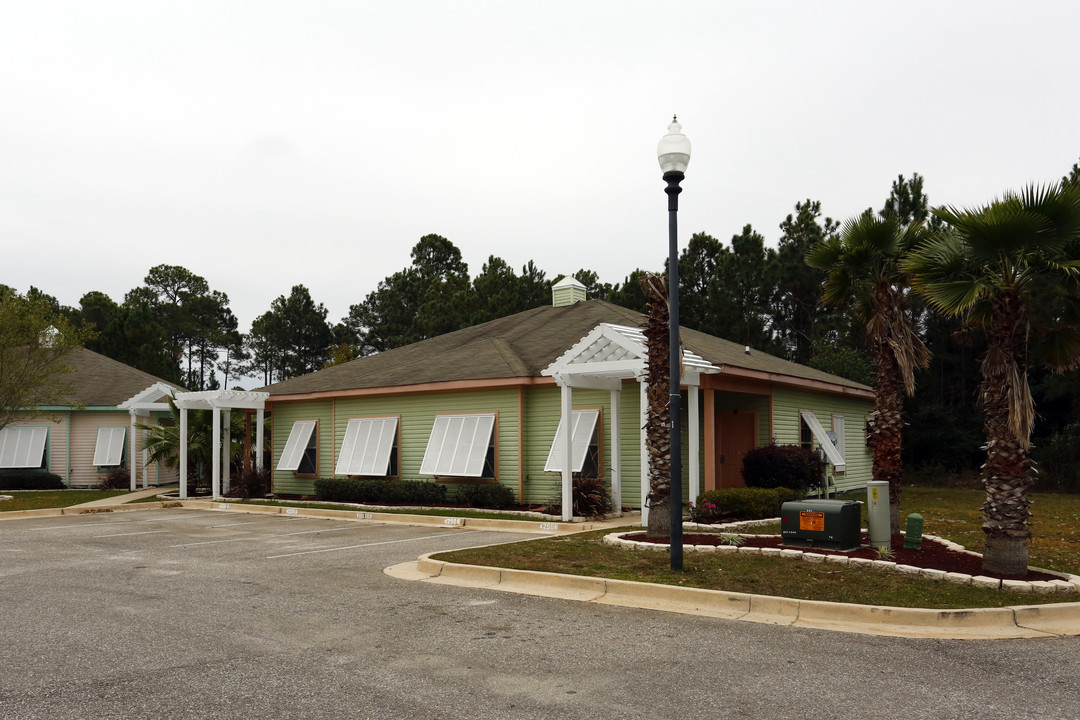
[
  {"x": 30, "y": 480},
  {"x": 379, "y": 490},
  {"x": 118, "y": 479},
  {"x": 788, "y": 466},
  {"x": 486, "y": 495},
  {"x": 746, "y": 503},
  {"x": 251, "y": 484},
  {"x": 590, "y": 497}
]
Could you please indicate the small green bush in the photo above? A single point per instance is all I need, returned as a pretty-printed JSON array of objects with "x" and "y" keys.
[
  {"x": 30, "y": 480},
  {"x": 118, "y": 479},
  {"x": 378, "y": 490},
  {"x": 486, "y": 495},
  {"x": 788, "y": 466},
  {"x": 590, "y": 496},
  {"x": 744, "y": 503}
]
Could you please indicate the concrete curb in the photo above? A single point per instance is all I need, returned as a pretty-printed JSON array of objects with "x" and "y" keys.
[{"x": 1030, "y": 621}]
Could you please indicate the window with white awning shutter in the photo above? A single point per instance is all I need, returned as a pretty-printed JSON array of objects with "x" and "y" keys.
[
  {"x": 300, "y": 450},
  {"x": 461, "y": 446},
  {"x": 369, "y": 447},
  {"x": 23, "y": 447},
  {"x": 109, "y": 449},
  {"x": 582, "y": 439},
  {"x": 832, "y": 454}
]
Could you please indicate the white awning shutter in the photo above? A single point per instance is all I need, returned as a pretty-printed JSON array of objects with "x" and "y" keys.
[
  {"x": 367, "y": 446},
  {"x": 584, "y": 426},
  {"x": 296, "y": 445},
  {"x": 458, "y": 445},
  {"x": 22, "y": 447},
  {"x": 831, "y": 453},
  {"x": 109, "y": 450}
]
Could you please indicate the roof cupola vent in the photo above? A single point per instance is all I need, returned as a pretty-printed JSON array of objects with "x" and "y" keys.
[{"x": 567, "y": 292}]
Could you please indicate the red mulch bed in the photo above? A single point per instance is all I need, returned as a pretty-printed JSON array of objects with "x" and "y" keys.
[{"x": 933, "y": 554}]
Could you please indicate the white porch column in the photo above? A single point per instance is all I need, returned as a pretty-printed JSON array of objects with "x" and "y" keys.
[
  {"x": 226, "y": 450},
  {"x": 616, "y": 452},
  {"x": 695, "y": 443},
  {"x": 215, "y": 454},
  {"x": 131, "y": 451},
  {"x": 183, "y": 453},
  {"x": 259, "y": 439},
  {"x": 644, "y": 416},
  {"x": 567, "y": 417}
]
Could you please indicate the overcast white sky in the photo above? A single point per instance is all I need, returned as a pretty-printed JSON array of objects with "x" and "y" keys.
[{"x": 265, "y": 143}]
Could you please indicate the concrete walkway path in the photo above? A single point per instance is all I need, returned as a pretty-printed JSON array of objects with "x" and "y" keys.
[{"x": 123, "y": 499}]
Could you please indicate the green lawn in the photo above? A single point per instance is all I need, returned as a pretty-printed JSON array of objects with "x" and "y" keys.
[
  {"x": 952, "y": 513},
  {"x": 38, "y": 499}
]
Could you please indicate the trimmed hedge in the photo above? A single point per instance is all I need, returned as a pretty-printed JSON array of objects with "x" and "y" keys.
[
  {"x": 30, "y": 480},
  {"x": 745, "y": 503},
  {"x": 486, "y": 495},
  {"x": 787, "y": 466},
  {"x": 378, "y": 490}
]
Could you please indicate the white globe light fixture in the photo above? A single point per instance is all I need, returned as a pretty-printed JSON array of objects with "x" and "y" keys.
[{"x": 673, "y": 152}]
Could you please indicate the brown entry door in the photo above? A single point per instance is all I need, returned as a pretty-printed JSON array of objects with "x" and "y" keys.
[{"x": 738, "y": 435}]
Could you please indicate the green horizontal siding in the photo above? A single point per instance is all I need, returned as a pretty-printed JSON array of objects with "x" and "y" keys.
[
  {"x": 787, "y": 405},
  {"x": 416, "y": 415}
]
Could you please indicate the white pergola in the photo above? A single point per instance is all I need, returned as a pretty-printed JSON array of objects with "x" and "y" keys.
[
  {"x": 153, "y": 399},
  {"x": 221, "y": 403},
  {"x": 602, "y": 360}
]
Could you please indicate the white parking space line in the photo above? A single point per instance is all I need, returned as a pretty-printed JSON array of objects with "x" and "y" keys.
[
  {"x": 234, "y": 524},
  {"x": 354, "y": 547},
  {"x": 311, "y": 532},
  {"x": 144, "y": 532},
  {"x": 214, "y": 542}
]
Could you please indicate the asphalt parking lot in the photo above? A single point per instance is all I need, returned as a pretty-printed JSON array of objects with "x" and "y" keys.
[{"x": 209, "y": 614}]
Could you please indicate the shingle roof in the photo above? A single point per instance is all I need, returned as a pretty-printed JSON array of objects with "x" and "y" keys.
[
  {"x": 101, "y": 381},
  {"x": 519, "y": 346}
]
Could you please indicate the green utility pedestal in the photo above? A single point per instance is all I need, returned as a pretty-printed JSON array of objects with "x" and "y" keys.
[{"x": 913, "y": 536}]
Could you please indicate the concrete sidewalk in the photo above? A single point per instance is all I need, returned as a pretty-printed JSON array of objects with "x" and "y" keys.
[{"x": 123, "y": 499}]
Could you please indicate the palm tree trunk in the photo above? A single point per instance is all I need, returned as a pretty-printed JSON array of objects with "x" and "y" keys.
[
  {"x": 1006, "y": 474},
  {"x": 658, "y": 418},
  {"x": 886, "y": 433}
]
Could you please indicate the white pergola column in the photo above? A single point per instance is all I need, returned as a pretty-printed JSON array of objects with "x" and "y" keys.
[
  {"x": 695, "y": 443},
  {"x": 259, "y": 439},
  {"x": 183, "y": 452},
  {"x": 226, "y": 451},
  {"x": 616, "y": 452},
  {"x": 215, "y": 462},
  {"x": 131, "y": 451},
  {"x": 567, "y": 414},
  {"x": 644, "y": 413}
]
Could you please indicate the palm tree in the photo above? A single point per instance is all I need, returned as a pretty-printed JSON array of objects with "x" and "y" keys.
[
  {"x": 1011, "y": 269},
  {"x": 658, "y": 418},
  {"x": 864, "y": 271},
  {"x": 162, "y": 441}
]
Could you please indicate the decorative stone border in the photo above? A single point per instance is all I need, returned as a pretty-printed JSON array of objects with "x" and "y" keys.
[{"x": 1066, "y": 583}]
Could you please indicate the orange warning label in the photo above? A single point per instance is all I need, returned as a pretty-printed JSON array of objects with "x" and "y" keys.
[{"x": 812, "y": 521}]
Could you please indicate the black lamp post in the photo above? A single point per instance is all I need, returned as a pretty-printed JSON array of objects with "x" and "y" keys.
[{"x": 673, "y": 152}]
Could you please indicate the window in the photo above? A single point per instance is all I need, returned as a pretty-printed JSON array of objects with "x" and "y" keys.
[
  {"x": 461, "y": 446},
  {"x": 109, "y": 450},
  {"x": 23, "y": 447},
  {"x": 584, "y": 440},
  {"x": 369, "y": 447},
  {"x": 824, "y": 441},
  {"x": 301, "y": 453}
]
